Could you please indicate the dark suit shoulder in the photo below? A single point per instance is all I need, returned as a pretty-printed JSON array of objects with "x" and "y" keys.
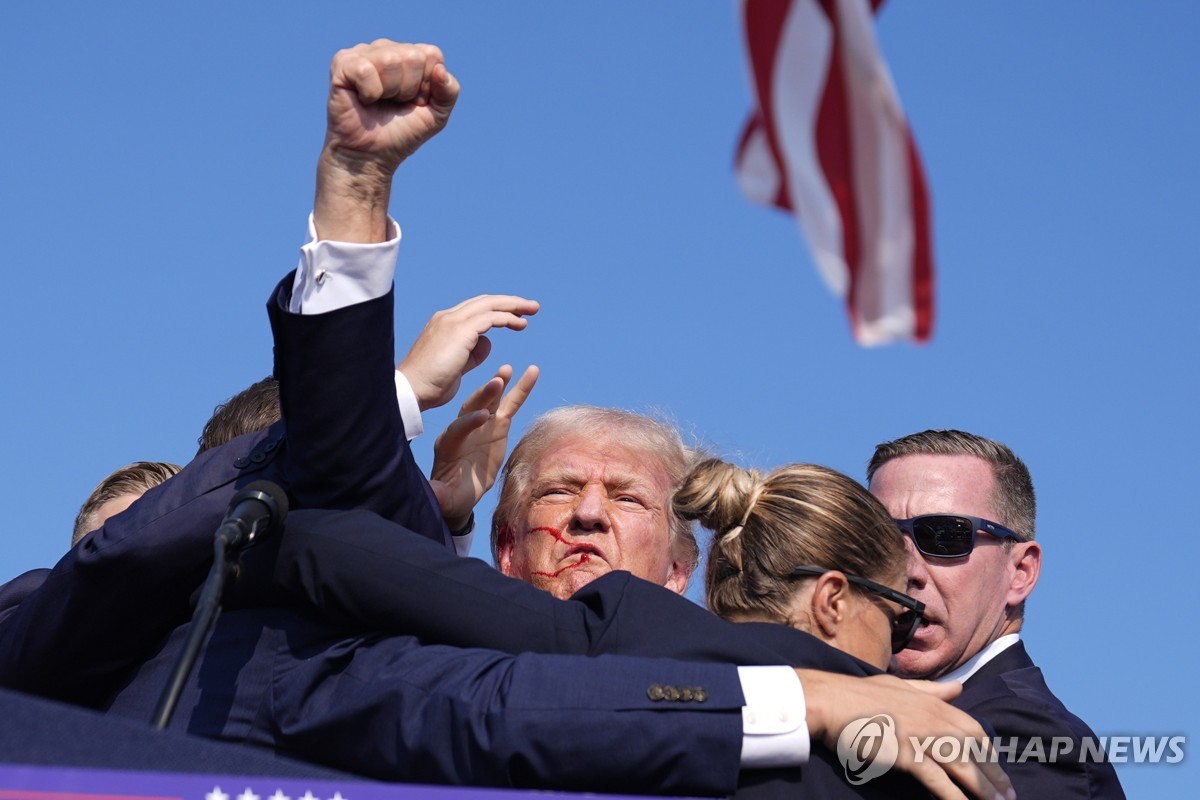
[
  {"x": 20, "y": 587},
  {"x": 1048, "y": 749}
]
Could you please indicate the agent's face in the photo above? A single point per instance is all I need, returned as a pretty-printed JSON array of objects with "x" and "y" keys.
[
  {"x": 965, "y": 598},
  {"x": 595, "y": 506}
]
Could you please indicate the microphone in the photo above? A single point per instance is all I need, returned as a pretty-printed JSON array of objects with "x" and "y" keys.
[{"x": 254, "y": 512}]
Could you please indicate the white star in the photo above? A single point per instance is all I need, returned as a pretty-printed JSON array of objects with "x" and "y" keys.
[
  {"x": 216, "y": 794},
  {"x": 279, "y": 795},
  {"x": 248, "y": 795},
  {"x": 308, "y": 795},
  {"x": 337, "y": 796}
]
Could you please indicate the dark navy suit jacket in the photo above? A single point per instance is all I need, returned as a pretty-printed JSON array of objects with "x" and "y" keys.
[
  {"x": 72, "y": 633},
  {"x": 1012, "y": 694},
  {"x": 354, "y": 568},
  {"x": 392, "y": 707}
]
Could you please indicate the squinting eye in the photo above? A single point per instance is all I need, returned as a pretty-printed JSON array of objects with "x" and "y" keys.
[{"x": 627, "y": 499}]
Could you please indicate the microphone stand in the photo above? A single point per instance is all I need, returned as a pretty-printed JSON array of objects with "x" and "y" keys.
[
  {"x": 231, "y": 536},
  {"x": 205, "y": 616}
]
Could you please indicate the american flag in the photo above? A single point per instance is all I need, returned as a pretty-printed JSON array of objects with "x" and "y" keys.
[{"x": 828, "y": 141}]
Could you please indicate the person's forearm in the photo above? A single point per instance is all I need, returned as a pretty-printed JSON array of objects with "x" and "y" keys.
[{"x": 351, "y": 204}]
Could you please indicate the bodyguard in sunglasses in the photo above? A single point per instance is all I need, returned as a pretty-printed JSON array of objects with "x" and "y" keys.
[{"x": 967, "y": 504}]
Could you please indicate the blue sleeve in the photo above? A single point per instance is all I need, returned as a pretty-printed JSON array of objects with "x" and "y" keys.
[
  {"x": 357, "y": 569},
  {"x": 401, "y": 711}
]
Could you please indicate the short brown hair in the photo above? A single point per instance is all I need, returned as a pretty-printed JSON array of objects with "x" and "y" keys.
[
  {"x": 765, "y": 525},
  {"x": 137, "y": 478},
  {"x": 1014, "y": 498},
  {"x": 254, "y": 408},
  {"x": 660, "y": 441}
]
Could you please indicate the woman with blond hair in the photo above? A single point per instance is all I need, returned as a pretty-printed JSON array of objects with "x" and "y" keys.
[{"x": 804, "y": 546}]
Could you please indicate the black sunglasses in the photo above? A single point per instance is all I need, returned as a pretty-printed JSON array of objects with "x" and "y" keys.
[
  {"x": 904, "y": 624},
  {"x": 951, "y": 535}
]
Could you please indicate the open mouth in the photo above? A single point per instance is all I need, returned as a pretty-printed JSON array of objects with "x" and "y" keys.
[{"x": 583, "y": 549}]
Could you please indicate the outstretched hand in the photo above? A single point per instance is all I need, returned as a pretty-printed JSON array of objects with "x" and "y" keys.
[
  {"x": 453, "y": 343},
  {"x": 468, "y": 455},
  {"x": 919, "y": 711}
]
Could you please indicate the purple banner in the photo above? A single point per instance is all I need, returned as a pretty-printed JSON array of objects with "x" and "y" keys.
[{"x": 63, "y": 783}]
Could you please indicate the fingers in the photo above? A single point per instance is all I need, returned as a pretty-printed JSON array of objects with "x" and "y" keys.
[
  {"x": 453, "y": 439},
  {"x": 486, "y": 396},
  {"x": 406, "y": 70},
  {"x": 478, "y": 354},
  {"x": 984, "y": 779},
  {"x": 444, "y": 91},
  {"x": 453, "y": 343},
  {"x": 921, "y": 715},
  {"x": 495, "y": 311},
  {"x": 519, "y": 393},
  {"x": 947, "y": 690},
  {"x": 391, "y": 70},
  {"x": 491, "y": 397}
]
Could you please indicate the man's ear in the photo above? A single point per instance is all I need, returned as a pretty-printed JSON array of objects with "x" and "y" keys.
[
  {"x": 504, "y": 550},
  {"x": 679, "y": 577},
  {"x": 829, "y": 604},
  {"x": 1025, "y": 559}
]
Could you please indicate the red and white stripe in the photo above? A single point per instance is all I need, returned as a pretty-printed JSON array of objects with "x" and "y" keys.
[{"x": 829, "y": 142}]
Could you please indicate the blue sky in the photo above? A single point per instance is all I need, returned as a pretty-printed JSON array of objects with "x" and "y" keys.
[{"x": 157, "y": 170}]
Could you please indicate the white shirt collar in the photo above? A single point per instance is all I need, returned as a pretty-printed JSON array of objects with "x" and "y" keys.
[{"x": 976, "y": 662}]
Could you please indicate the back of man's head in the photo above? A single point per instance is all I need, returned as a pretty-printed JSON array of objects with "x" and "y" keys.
[
  {"x": 117, "y": 492},
  {"x": 252, "y": 409},
  {"x": 1014, "y": 495},
  {"x": 657, "y": 445}
]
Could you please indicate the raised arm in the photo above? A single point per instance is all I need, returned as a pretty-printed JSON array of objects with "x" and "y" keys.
[{"x": 386, "y": 99}]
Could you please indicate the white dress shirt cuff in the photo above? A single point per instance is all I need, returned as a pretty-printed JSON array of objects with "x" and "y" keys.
[
  {"x": 333, "y": 275},
  {"x": 774, "y": 728},
  {"x": 410, "y": 412},
  {"x": 462, "y": 544}
]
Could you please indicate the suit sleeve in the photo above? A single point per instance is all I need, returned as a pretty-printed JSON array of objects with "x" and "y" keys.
[
  {"x": 346, "y": 445},
  {"x": 358, "y": 569},
  {"x": 397, "y": 710}
]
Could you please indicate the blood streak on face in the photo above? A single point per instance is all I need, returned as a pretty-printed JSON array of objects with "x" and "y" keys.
[
  {"x": 597, "y": 497},
  {"x": 583, "y": 559},
  {"x": 554, "y": 533}
]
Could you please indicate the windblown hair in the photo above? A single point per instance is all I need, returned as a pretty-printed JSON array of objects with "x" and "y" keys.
[
  {"x": 765, "y": 525},
  {"x": 137, "y": 478},
  {"x": 1014, "y": 496},
  {"x": 252, "y": 409},
  {"x": 660, "y": 441}
]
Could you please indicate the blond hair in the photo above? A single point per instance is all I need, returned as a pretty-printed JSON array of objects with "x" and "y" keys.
[
  {"x": 765, "y": 525},
  {"x": 136, "y": 478}
]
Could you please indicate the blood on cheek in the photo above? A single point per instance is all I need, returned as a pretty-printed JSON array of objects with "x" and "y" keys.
[{"x": 556, "y": 534}]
